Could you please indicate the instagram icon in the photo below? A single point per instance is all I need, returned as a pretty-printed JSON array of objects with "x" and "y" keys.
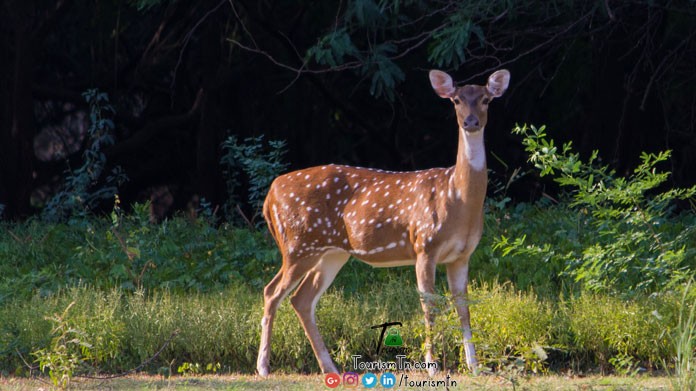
[{"x": 350, "y": 380}]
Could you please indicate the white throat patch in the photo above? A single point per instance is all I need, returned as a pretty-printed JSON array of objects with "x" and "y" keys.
[{"x": 474, "y": 149}]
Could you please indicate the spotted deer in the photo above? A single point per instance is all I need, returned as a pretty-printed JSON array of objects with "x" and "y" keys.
[{"x": 320, "y": 216}]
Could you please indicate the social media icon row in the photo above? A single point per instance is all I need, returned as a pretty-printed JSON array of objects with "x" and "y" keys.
[{"x": 352, "y": 380}]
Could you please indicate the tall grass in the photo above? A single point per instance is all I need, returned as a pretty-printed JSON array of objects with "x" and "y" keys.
[
  {"x": 511, "y": 327},
  {"x": 683, "y": 339},
  {"x": 616, "y": 334}
]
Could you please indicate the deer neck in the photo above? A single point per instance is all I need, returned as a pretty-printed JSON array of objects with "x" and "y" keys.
[{"x": 470, "y": 176}]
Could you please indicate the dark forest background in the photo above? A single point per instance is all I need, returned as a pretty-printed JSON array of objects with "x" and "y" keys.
[{"x": 341, "y": 81}]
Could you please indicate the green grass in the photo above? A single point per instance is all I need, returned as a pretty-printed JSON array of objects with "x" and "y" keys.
[{"x": 515, "y": 331}]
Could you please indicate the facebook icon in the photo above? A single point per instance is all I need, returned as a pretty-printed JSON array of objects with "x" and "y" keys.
[{"x": 388, "y": 380}]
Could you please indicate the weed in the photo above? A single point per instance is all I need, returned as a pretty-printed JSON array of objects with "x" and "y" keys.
[
  {"x": 63, "y": 355},
  {"x": 188, "y": 368},
  {"x": 83, "y": 336}
]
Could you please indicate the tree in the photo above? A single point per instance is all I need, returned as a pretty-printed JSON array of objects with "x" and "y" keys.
[{"x": 341, "y": 81}]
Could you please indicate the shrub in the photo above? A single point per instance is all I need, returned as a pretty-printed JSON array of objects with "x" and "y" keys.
[
  {"x": 79, "y": 194},
  {"x": 635, "y": 247},
  {"x": 131, "y": 253},
  {"x": 530, "y": 246},
  {"x": 261, "y": 164}
]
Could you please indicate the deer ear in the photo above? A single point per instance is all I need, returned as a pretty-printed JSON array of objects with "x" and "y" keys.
[
  {"x": 498, "y": 82},
  {"x": 442, "y": 83}
]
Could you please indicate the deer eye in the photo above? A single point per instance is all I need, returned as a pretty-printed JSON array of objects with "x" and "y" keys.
[
  {"x": 456, "y": 101},
  {"x": 485, "y": 101}
]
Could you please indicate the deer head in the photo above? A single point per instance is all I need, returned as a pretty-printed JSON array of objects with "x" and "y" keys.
[{"x": 470, "y": 101}]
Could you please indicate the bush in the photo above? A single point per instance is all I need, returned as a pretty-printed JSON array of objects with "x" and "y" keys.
[
  {"x": 530, "y": 246},
  {"x": 261, "y": 164},
  {"x": 630, "y": 239},
  {"x": 131, "y": 253},
  {"x": 79, "y": 194}
]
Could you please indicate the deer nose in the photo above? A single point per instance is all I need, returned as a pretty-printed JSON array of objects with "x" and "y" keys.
[{"x": 471, "y": 122}]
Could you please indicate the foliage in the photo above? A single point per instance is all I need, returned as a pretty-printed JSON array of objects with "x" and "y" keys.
[
  {"x": 636, "y": 247},
  {"x": 386, "y": 75},
  {"x": 365, "y": 33},
  {"x": 188, "y": 368},
  {"x": 381, "y": 22},
  {"x": 529, "y": 245},
  {"x": 130, "y": 252},
  {"x": 85, "y": 337},
  {"x": 64, "y": 354},
  {"x": 260, "y": 163},
  {"x": 338, "y": 50},
  {"x": 81, "y": 191},
  {"x": 332, "y": 48},
  {"x": 623, "y": 334},
  {"x": 515, "y": 332},
  {"x": 511, "y": 330},
  {"x": 451, "y": 42}
]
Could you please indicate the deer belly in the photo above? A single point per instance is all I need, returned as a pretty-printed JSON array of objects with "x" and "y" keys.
[{"x": 389, "y": 263}]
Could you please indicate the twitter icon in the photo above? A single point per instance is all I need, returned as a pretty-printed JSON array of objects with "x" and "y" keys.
[{"x": 369, "y": 380}]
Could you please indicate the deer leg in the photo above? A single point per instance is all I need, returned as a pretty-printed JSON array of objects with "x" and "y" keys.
[
  {"x": 273, "y": 294},
  {"x": 425, "y": 277},
  {"x": 458, "y": 279},
  {"x": 305, "y": 300}
]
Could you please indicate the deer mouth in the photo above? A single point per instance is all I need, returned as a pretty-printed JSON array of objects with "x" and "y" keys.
[{"x": 473, "y": 129}]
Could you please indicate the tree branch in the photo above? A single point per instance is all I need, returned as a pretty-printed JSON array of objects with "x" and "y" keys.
[{"x": 153, "y": 130}]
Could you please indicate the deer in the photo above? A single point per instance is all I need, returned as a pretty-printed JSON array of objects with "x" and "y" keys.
[{"x": 321, "y": 216}]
